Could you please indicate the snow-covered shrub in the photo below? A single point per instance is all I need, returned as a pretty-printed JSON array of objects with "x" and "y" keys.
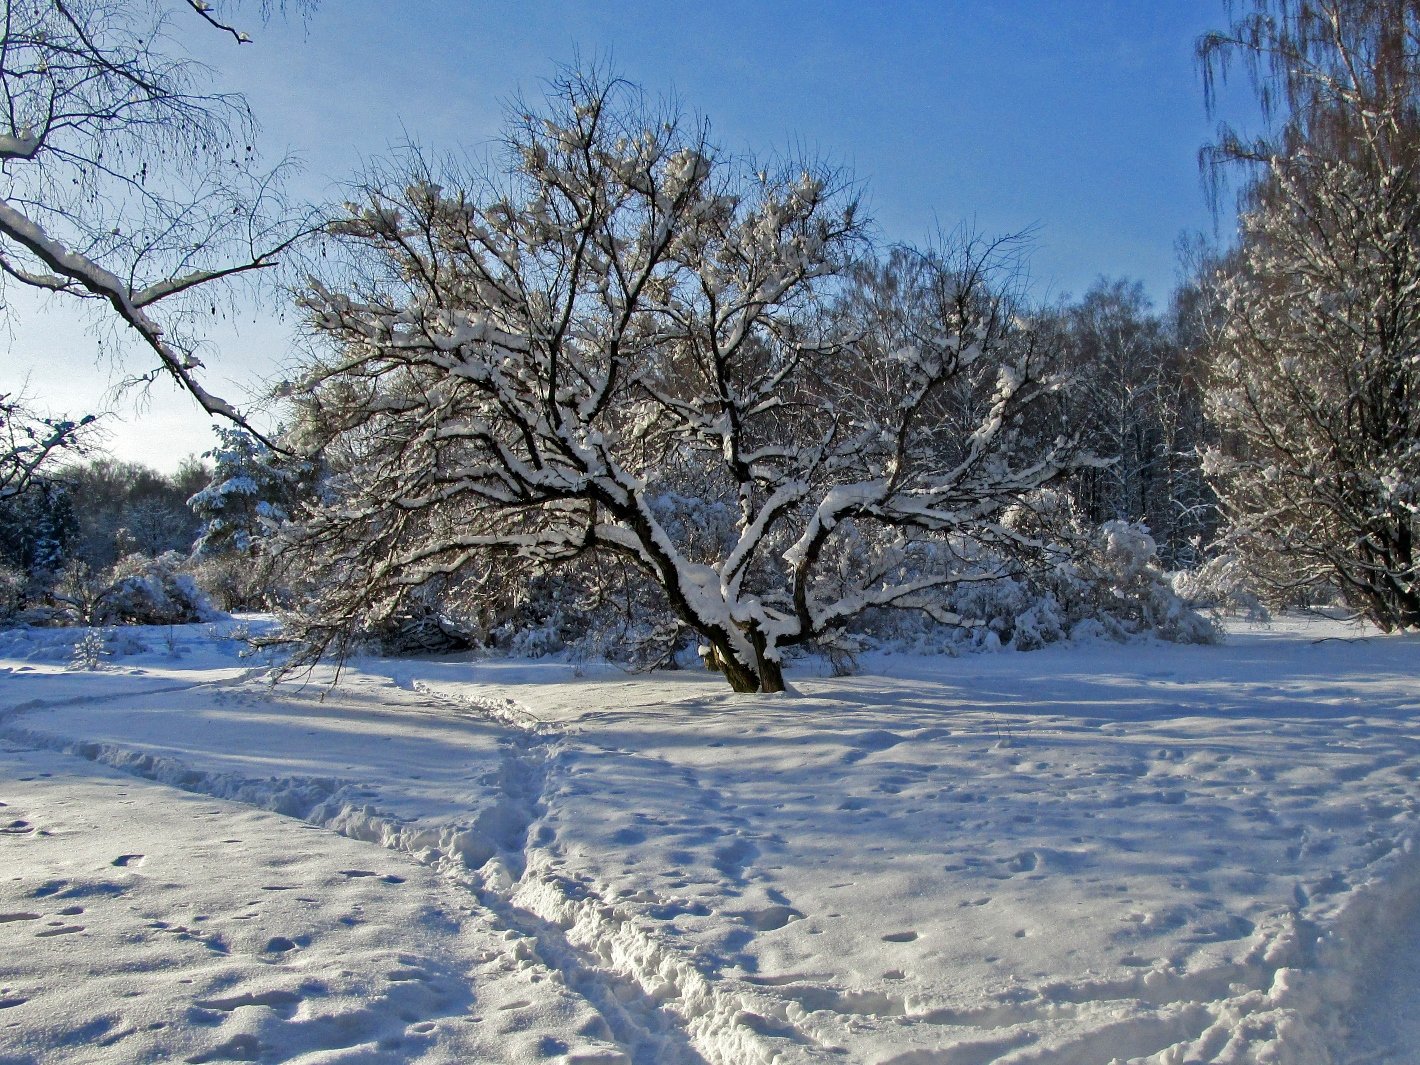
[
  {"x": 421, "y": 629},
  {"x": 90, "y": 650},
  {"x": 586, "y": 613},
  {"x": 1010, "y": 611},
  {"x": 1223, "y": 583},
  {"x": 72, "y": 597},
  {"x": 1077, "y": 582},
  {"x": 1123, "y": 588},
  {"x": 150, "y": 591},
  {"x": 236, "y": 582},
  {"x": 1095, "y": 580}
]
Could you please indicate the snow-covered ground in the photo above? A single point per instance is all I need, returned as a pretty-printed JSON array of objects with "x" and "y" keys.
[{"x": 1135, "y": 853}]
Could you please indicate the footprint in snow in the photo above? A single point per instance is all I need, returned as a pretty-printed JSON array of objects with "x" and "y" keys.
[
  {"x": 276, "y": 1000},
  {"x": 238, "y": 1048},
  {"x": 1024, "y": 862},
  {"x": 732, "y": 858},
  {"x": 769, "y": 919},
  {"x": 356, "y": 874},
  {"x": 65, "y": 889},
  {"x": 62, "y": 929}
]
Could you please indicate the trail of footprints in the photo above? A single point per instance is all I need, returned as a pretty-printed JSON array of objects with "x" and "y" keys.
[
  {"x": 536, "y": 949},
  {"x": 634, "y": 1017},
  {"x": 629, "y": 1001},
  {"x": 56, "y": 922},
  {"x": 9, "y": 997},
  {"x": 656, "y": 983}
]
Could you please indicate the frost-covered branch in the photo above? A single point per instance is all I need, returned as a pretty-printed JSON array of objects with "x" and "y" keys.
[{"x": 30, "y": 442}]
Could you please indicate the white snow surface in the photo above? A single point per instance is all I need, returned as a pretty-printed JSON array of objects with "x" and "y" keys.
[{"x": 1087, "y": 854}]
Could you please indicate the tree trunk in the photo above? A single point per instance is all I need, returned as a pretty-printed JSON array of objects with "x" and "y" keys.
[
  {"x": 771, "y": 676},
  {"x": 742, "y": 679},
  {"x": 771, "y": 673},
  {"x": 1406, "y": 593},
  {"x": 766, "y": 676}
]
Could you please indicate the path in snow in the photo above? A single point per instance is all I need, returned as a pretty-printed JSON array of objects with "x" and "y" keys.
[
  {"x": 1161, "y": 854},
  {"x": 552, "y": 923}
]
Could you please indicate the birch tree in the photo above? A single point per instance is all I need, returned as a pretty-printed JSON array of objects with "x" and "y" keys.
[
  {"x": 125, "y": 181},
  {"x": 621, "y": 329}
]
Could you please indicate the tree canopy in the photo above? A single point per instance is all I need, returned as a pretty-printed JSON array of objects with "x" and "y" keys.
[{"x": 626, "y": 343}]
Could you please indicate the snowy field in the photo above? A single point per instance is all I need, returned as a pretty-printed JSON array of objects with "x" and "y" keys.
[{"x": 1145, "y": 853}]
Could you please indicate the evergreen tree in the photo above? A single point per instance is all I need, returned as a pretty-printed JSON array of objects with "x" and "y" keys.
[{"x": 251, "y": 490}]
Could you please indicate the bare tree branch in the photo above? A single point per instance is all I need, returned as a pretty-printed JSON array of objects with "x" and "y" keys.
[{"x": 124, "y": 178}]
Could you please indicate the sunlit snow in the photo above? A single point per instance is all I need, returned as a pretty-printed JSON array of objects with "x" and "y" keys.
[{"x": 1143, "y": 853}]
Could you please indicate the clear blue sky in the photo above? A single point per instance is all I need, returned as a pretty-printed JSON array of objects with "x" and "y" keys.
[{"x": 1081, "y": 119}]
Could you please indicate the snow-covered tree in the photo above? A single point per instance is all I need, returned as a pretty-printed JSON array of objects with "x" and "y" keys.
[
  {"x": 624, "y": 331},
  {"x": 31, "y": 442},
  {"x": 252, "y": 490},
  {"x": 36, "y": 512},
  {"x": 124, "y": 508},
  {"x": 1337, "y": 78},
  {"x": 1135, "y": 399},
  {"x": 125, "y": 181},
  {"x": 1315, "y": 386},
  {"x": 1315, "y": 380},
  {"x": 36, "y": 526}
]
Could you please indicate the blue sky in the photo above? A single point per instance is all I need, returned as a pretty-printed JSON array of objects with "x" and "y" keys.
[{"x": 1080, "y": 120}]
